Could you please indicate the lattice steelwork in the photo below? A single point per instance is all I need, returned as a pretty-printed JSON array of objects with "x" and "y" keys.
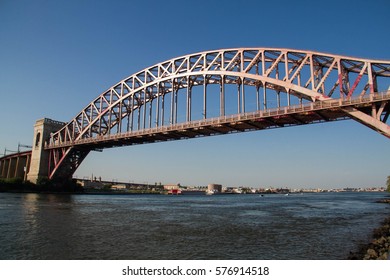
[{"x": 224, "y": 91}]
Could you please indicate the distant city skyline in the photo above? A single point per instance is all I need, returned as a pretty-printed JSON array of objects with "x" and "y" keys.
[{"x": 58, "y": 56}]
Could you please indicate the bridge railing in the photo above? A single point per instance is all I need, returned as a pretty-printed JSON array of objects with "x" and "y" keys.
[{"x": 313, "y": 106}]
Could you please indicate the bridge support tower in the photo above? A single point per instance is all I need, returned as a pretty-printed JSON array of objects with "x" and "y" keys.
[{"x": 39, "y": 167}]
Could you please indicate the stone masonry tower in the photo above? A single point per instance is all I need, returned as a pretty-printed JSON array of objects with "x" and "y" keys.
[{"x": 40, "y": 157}]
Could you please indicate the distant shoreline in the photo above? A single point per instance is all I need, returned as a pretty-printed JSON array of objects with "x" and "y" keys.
[{"x": 115, "y": 192}]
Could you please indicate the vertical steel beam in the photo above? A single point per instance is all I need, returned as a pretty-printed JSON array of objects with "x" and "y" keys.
[
  {"x": 176, "y": 90},
  {"x": 222, "y": 97},
  {"x": 374, "y": 111},
  {"x": 139, "y": 115},
  {"x": 340, "y": 78},
  {"x": 265, "y": 96},
  {"x": 9, "y": 171},
  {"x": 91, "y": 118},
  {"x": 263, "y": 64},
  {"x": 238, "y": 97},
  {"x": 257, "y": 97},
  {"x": 119, "y": 129},
  {"x": 144, "y": 109},
  {"x": 188, "y": 109},
  {"x": 204, "y": 97},
  {"x": 322, "y": 77},
  {"x": 100, "y": 118},
  {"x": 162, "y": 106},
  {"x": 109, "y": 116},
  {"x": 150, "y": 110},
  {"x": 373, "y": 85},
  {"x": 370, "y": 78},
  {"x": 28, "y": 162},
  {"x": 288, "y": 97},
  {"x": 16, "y": 166},
  {"x": 132, "y": 113},
  {"x": 121, "y": 104},
  {"x": 109, "y": 121},
  {"x": 128, "y": 115},
  {"x": 190, "y": 104},
  {"x": 158, "y": 105},
  {"x": 172, "y": 101},
  {"x": 243, "y": 95},
  {"x": 312, "y": 72},
  {"x": 82, "y": 121}
]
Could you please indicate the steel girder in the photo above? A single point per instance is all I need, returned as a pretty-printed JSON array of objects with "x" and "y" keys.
[{"x": 308, "y": 77}]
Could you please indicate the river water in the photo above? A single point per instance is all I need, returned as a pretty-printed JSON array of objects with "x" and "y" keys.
[{"x": 298, "y": 226}]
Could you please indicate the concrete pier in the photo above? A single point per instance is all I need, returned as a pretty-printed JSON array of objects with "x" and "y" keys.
[{"x": 39, "y": 166}]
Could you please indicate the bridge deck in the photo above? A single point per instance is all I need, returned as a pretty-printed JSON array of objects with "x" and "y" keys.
[{"x": 321, "y": 111}]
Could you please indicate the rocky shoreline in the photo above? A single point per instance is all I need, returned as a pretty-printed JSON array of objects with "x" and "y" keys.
[{"x": 379, "y": 247}]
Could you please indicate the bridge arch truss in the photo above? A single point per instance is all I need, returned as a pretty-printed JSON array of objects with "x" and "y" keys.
[{"x": 224, "y": 91}]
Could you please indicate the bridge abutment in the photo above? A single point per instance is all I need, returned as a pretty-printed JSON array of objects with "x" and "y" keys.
[{"x": 39, "y": 166}]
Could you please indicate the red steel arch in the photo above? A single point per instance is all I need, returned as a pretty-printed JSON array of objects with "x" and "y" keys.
[{"x": 304, "y": 87}]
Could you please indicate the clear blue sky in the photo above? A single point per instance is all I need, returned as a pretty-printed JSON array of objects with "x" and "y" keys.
[{"x": 56, "y": 56}]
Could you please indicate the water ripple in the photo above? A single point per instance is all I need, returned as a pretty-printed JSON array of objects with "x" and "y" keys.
[{"x": 323, "y": 226}]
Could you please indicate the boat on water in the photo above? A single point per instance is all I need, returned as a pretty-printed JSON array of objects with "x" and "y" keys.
[{"x": 174, "y": 192}]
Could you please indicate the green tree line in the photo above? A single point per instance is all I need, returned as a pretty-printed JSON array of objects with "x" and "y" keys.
[{"x": 388, "y": 183}]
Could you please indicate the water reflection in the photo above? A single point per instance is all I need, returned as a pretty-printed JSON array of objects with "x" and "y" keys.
[
  {"x": 47, "y": 218},
  {"x": 30, "y": 209}
]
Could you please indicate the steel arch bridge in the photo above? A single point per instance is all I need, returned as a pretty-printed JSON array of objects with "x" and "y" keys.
[{"x": 225, "y": 91}]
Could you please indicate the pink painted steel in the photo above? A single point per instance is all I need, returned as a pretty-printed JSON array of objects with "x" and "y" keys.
[{"x": 302, "y": 77}]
